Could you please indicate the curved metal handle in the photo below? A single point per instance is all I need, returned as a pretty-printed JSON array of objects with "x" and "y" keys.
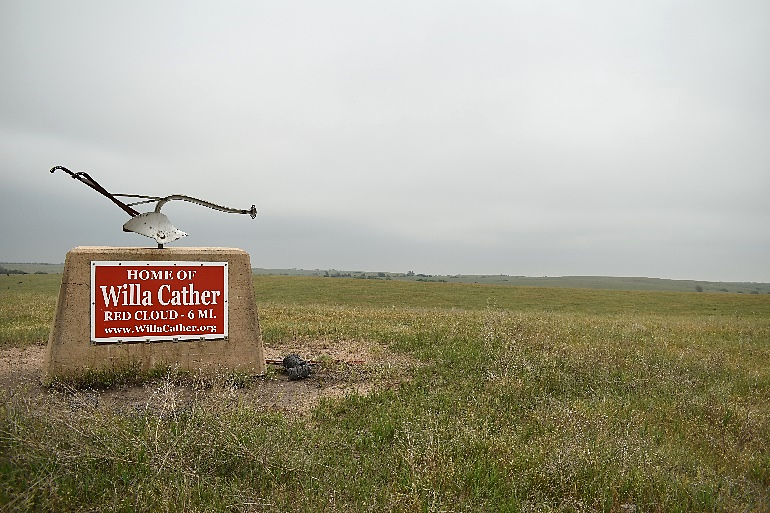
[
  {"x": 86, "y": 179},
  {"x": 162, "y": 201}
]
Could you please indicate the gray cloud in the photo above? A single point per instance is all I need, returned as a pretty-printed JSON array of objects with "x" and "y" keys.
[{"x": 544, "y": 138}]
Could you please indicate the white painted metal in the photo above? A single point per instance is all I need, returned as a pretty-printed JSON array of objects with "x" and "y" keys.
[{"x": 154, "y": 225}]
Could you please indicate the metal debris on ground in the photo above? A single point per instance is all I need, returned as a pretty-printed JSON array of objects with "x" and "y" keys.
[
  {"x": 296, "y": 367},
  {"x": 277, "y": 361}
]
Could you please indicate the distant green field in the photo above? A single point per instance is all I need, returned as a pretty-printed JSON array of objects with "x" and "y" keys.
[
  {"x": 27, "y": 301},
  {"x": 587, "y": 282},
  {"x": 35, "y": 268},
  {"x": 524, "y": 399},
  {"x": 400, "y": 294}
]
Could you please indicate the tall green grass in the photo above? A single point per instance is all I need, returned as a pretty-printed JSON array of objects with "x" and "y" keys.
[{"x": 536, "y": 400}]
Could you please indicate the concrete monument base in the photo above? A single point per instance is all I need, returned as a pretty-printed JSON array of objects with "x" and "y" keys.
[{"x": 72, "y": 349}]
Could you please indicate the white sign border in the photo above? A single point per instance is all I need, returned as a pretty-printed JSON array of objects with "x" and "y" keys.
[{"x": 157, "y": 338}]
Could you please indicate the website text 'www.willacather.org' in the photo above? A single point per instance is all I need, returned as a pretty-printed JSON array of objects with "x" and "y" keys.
[{"x": 177, "y": 329}]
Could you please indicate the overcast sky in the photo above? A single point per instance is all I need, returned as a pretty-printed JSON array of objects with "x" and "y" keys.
[{"x": 489, "y": 137}]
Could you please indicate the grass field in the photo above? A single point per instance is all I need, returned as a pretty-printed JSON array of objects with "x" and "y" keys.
[
  {"x": 573, "y": 282},
  {"x": 525, "y": 399}
]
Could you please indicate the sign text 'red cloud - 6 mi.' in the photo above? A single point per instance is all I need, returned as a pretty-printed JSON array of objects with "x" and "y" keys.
[{"x": 139, "y": 301}]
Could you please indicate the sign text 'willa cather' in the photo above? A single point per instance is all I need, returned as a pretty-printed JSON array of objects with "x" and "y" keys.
[{"x": 153, "y": 301}]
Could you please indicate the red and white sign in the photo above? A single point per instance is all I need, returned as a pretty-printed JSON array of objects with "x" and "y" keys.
[{"x": 146, "y": 301}]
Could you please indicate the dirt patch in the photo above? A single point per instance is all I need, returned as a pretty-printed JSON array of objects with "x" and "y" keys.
[
  {"x": 21, "y": 366},
  {"x": 340, "y": 368}
]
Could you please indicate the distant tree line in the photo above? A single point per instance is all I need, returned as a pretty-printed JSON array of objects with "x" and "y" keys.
[{"x": 8, "y": 272}]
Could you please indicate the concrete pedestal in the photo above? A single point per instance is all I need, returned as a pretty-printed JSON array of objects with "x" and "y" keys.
[{"x": 70, "y": 350}]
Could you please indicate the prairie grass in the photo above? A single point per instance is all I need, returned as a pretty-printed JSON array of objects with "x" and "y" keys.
[
  {"x": 27, "y": 304},
  {"x": 528, "y": 400}
]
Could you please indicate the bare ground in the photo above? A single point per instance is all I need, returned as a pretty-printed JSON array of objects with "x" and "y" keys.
[{"x": 340, "y": 368}]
